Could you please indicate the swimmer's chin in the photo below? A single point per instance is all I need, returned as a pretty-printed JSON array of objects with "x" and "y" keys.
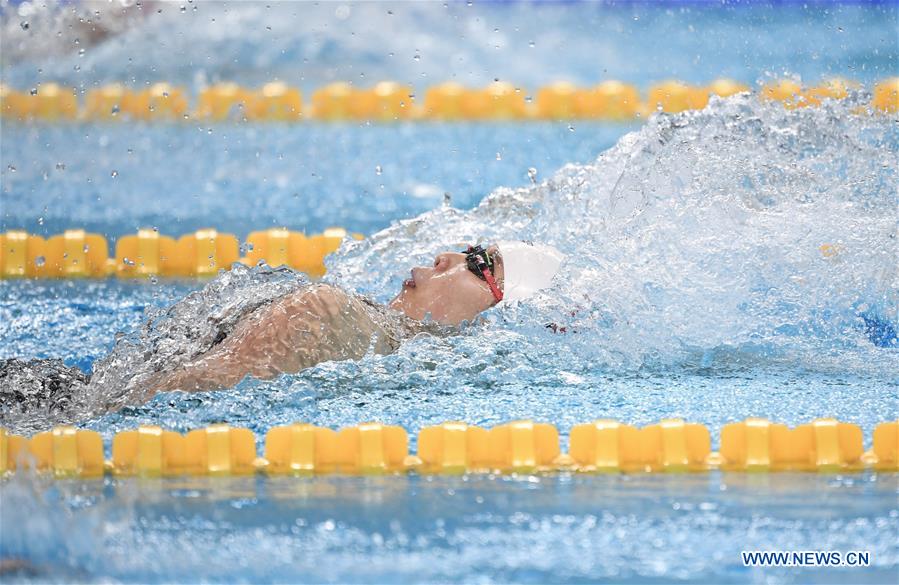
[{"x": 397, "y": 304}]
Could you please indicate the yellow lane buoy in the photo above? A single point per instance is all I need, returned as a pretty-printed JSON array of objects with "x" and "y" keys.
[
  {"x": 333, "y": 102},
  {"x": 675, "y": 96},
  {"x": 726, "y": 87},
  {"x": 223, "y": 101},
  {"x": 53, "y": 102},
  {"x": 276, "y": 101},
  {"x": 886, "y": 95},
  {"x": 606, "y": 445},
  {"x": 610, "y": 100},
  {"x": 445, "y": 101},
  {"x": 387, "y": 101},
  {"x": 454, "y": 447},
  {"x": 498, "y": 101}
]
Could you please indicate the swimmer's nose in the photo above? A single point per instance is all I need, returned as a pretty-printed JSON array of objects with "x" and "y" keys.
[{"x": 448, "y": 260}]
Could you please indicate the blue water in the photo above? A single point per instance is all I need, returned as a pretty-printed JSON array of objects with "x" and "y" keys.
[
  {"x": 531, "y": 529},
  {"x": 240, "y": 178},
  {"x": 695, "y": 287}
]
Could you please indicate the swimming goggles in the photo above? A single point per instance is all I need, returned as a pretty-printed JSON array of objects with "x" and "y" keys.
[{"x": 481, "y": 265}]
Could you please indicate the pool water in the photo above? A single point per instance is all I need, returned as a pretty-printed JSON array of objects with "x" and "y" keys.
[
  {"x": 691, "y": 528},
  {"x": 694, "y": 286}
]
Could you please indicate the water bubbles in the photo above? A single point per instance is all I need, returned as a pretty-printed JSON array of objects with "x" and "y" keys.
[
  {"x": 447, "y": 199},
  {"x": 532, "y": 44},
  {"x": 114, "y": 174},
  {"x": 40, "y": 261},
  {"x": 10, "y": 168},
  {"x": 499, "y": 156},
  {"x": 24, "y": 24},
  {"x": 532, "y": 175},
  {"x": 246, "y": 248},
  {"x": 33, "y": 91},
  {"x": 416, "y": 57},
  {"x": 570, "y": 128},
  {"x": 115, "y": 110},
  {"x": 86, "y": 249},
  {"x": 184, "y": 9},
  {"x": 40, "y": 220},
  {"x": 128, "y": 261},
  {"x": 81, "y": 52},
  {"x": 378, "y": 170}
]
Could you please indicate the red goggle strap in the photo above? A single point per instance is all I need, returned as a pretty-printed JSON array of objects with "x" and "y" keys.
[
  {"x": 488, "y": 276},
  {"x": 491, "y": 282}
]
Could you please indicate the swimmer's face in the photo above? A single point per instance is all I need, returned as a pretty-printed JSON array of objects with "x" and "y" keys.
[{"x": 447, "y": 290}]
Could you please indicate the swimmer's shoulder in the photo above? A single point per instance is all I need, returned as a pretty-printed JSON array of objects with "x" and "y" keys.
[{"x": 319, "y": 297}]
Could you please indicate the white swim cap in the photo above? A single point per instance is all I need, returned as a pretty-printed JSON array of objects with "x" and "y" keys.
[{"x": 527, "y": 268}]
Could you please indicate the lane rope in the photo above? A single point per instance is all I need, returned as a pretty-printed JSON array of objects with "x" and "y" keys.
[
  {"x": 389, "y": 101},
  {"x": 755, "y": 445}
]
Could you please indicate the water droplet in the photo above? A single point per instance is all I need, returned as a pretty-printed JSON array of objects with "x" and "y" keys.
[
  {"x": 447, "y": 199},
  {"x": 24, "y": 24},
  {"x": 570, "y": 128},
  {"x": 127, "y": 261},
  {"x": 532, "y": 175},
  {"x": 40, "y": 261},
  {"x": 60, "y": 166},
  {"x": 416, "y": 57},
  {"x": 115, "y": 109},
  {"x": 378, "y": 170},
  {"x": 40, "y": 221},
  {"x": 33, "y": 91},
  {"x": 10, "y": 168},
  {"x": 184, "y": 9},
  {"x": 81, "y": 52},
  {"x": 153, "y": 279},
  {"x": 86, "y": 248},
  {"x": 532, "y": 44},
  {"x": 499, "y": 156},
  {"x": 114, "y": 174}
]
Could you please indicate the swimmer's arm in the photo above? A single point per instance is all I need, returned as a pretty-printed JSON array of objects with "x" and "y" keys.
[{"x": 316, "y": 324}]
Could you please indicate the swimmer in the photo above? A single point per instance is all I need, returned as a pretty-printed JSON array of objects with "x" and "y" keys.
[
  {"x": 323, "y": 322},
  {"x": 282, "y": 334}
]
